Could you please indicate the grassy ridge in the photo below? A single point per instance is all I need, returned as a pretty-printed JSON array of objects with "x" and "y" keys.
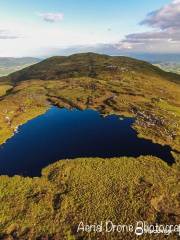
[{"x": 88, "y": 65}]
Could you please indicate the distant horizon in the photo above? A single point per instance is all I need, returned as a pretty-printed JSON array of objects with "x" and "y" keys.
[{"x": 151, "y": 57}]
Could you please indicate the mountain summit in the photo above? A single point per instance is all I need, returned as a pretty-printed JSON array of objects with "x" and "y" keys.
[{"x": 89, "y": 65}]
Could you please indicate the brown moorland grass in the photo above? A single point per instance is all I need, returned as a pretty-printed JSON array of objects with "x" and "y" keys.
[{"x": 123, "y": 190}]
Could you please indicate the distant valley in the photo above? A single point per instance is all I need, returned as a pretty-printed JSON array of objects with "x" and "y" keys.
[
  {"x": 10, "y": 65},
  {"x": 169, "y": 66}
]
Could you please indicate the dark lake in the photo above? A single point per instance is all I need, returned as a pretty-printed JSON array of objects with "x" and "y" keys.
[{"x": 62, "y": 133}]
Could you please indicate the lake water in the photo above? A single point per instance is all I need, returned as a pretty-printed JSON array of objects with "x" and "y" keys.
[{"x": 61, "y": 133}]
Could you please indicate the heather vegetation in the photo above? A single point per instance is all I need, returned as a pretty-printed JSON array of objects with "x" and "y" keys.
[{"x": 123, "y": 190}]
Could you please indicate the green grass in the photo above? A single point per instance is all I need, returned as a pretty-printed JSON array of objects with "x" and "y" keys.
[
  {"x": 4, "y": 88},
  {"x": 123, "y": 190},
  {"x": 170, "y": 108}
]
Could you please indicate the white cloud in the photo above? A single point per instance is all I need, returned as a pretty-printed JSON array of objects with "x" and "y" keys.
[
  {"x": 6, "y": 34},
  {"x": 168, "y": 17},
  {"x": 31, "y": 39},
  {"x": 39, "y": 39},
  {"x": 52, "y": 17},
  {"x": 165, "y": 36}
]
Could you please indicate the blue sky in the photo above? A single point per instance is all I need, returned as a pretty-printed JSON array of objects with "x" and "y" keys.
[{"x": 29, "y": 28}]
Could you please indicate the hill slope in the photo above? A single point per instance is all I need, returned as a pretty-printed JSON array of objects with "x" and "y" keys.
[{"x": 87, "y": 65}]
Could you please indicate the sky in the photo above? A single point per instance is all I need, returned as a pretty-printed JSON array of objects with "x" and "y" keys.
[{"x": 43, "y": 28}]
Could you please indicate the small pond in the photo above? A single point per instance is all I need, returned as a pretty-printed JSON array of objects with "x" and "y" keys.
[{"x": 61, "y": 133}]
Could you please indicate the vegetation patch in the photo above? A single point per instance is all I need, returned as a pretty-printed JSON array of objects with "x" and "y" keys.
[{"x": 123, "y": 190}]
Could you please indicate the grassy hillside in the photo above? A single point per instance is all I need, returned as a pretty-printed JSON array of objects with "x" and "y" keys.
[
  {"x": 87, "y": 65},
  {"x": 119, "y": 189}
]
